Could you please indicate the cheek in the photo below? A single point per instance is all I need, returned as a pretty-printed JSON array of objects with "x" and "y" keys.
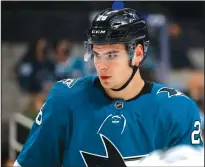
[
  {"x": 96, "y": 65},
  {"x": 119, "y": 68},
  {"x": 123, "y": 65},
  {"x": 123, "y": 70}
]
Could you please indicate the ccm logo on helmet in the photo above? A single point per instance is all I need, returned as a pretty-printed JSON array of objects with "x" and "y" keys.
[{"x": 98, "y": 31}]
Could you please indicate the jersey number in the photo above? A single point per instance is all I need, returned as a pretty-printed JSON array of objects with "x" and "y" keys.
[
  {"x": 101, "y": 18},
  {"x": 39, "y": 116},
  {"x": 195, "y": 136}
]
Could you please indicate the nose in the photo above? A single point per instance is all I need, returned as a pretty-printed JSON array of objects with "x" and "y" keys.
[{"x": 101, "y": 65}]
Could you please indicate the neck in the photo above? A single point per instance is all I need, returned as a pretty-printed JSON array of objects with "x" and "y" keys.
[{"x": 132, "y": 89}]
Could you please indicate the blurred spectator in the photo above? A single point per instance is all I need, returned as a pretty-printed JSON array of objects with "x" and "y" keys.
[
  {"x": 178, "y": 48},
  {"x": 35, "y": 69},
  {"x": 9, "y": 163},
  {"x": 195, "y": 88},
  {"x": 67, "y": 65},
  {"x": 35, "y": 105}
]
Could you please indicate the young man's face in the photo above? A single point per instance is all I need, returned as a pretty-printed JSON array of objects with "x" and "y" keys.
[{"x": 112, "y": 64}]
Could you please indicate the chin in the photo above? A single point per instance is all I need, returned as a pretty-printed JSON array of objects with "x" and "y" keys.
[
  {"x": 106, "y": 85},
  {"x": 109, "y": 86}
]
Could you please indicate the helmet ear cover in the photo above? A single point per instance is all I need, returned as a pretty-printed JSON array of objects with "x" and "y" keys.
[{"x": 131, "y": 46}]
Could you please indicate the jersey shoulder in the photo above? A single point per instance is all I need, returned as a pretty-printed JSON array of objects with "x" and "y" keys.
[
  {"x": 172, "y": 99},
  {"x": 71, "y": 86},
  {"x": 65, "y": 93}
]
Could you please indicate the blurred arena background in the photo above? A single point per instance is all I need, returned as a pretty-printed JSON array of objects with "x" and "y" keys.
[{"x": 42, "y": 42}]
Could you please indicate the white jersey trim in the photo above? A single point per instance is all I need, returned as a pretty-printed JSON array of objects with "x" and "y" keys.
[{"x": 16, "y": 164}]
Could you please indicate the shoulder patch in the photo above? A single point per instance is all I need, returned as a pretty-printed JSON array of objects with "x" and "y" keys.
[
  {"x": 69, "y": 82},
  {"x": 171, "y": 92}
]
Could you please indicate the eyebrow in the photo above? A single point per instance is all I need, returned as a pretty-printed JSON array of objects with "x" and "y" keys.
[
  {"x": 94, "y": 52},
  {"x": 111, "y": 52},
  {"x": 107, "y": 53}
]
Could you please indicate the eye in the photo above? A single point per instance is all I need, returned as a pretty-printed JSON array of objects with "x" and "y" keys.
[
  {"x": 111, "y": 56},
  {"x": 96, "y": 55}
]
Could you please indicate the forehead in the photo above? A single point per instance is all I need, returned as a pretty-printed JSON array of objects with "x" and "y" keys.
[{"x": 108, "y": 47}]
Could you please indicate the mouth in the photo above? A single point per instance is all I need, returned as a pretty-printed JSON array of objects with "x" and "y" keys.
[{"x": 105, "y": 77}]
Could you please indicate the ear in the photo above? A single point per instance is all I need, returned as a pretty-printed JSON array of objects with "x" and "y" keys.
[{"x": 138, "y": 55}]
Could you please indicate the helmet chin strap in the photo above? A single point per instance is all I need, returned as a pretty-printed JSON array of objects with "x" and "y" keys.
[{"x": 135, "y": 68}]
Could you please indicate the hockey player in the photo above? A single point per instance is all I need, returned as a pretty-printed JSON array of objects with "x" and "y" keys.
[{"x": 115, "y": 118}]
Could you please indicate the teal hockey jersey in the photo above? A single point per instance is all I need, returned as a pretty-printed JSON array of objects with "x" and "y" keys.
[{"x": 79, "y": 125}]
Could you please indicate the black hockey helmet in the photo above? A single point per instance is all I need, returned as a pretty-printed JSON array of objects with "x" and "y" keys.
[{"x": 117, "y": 26}]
